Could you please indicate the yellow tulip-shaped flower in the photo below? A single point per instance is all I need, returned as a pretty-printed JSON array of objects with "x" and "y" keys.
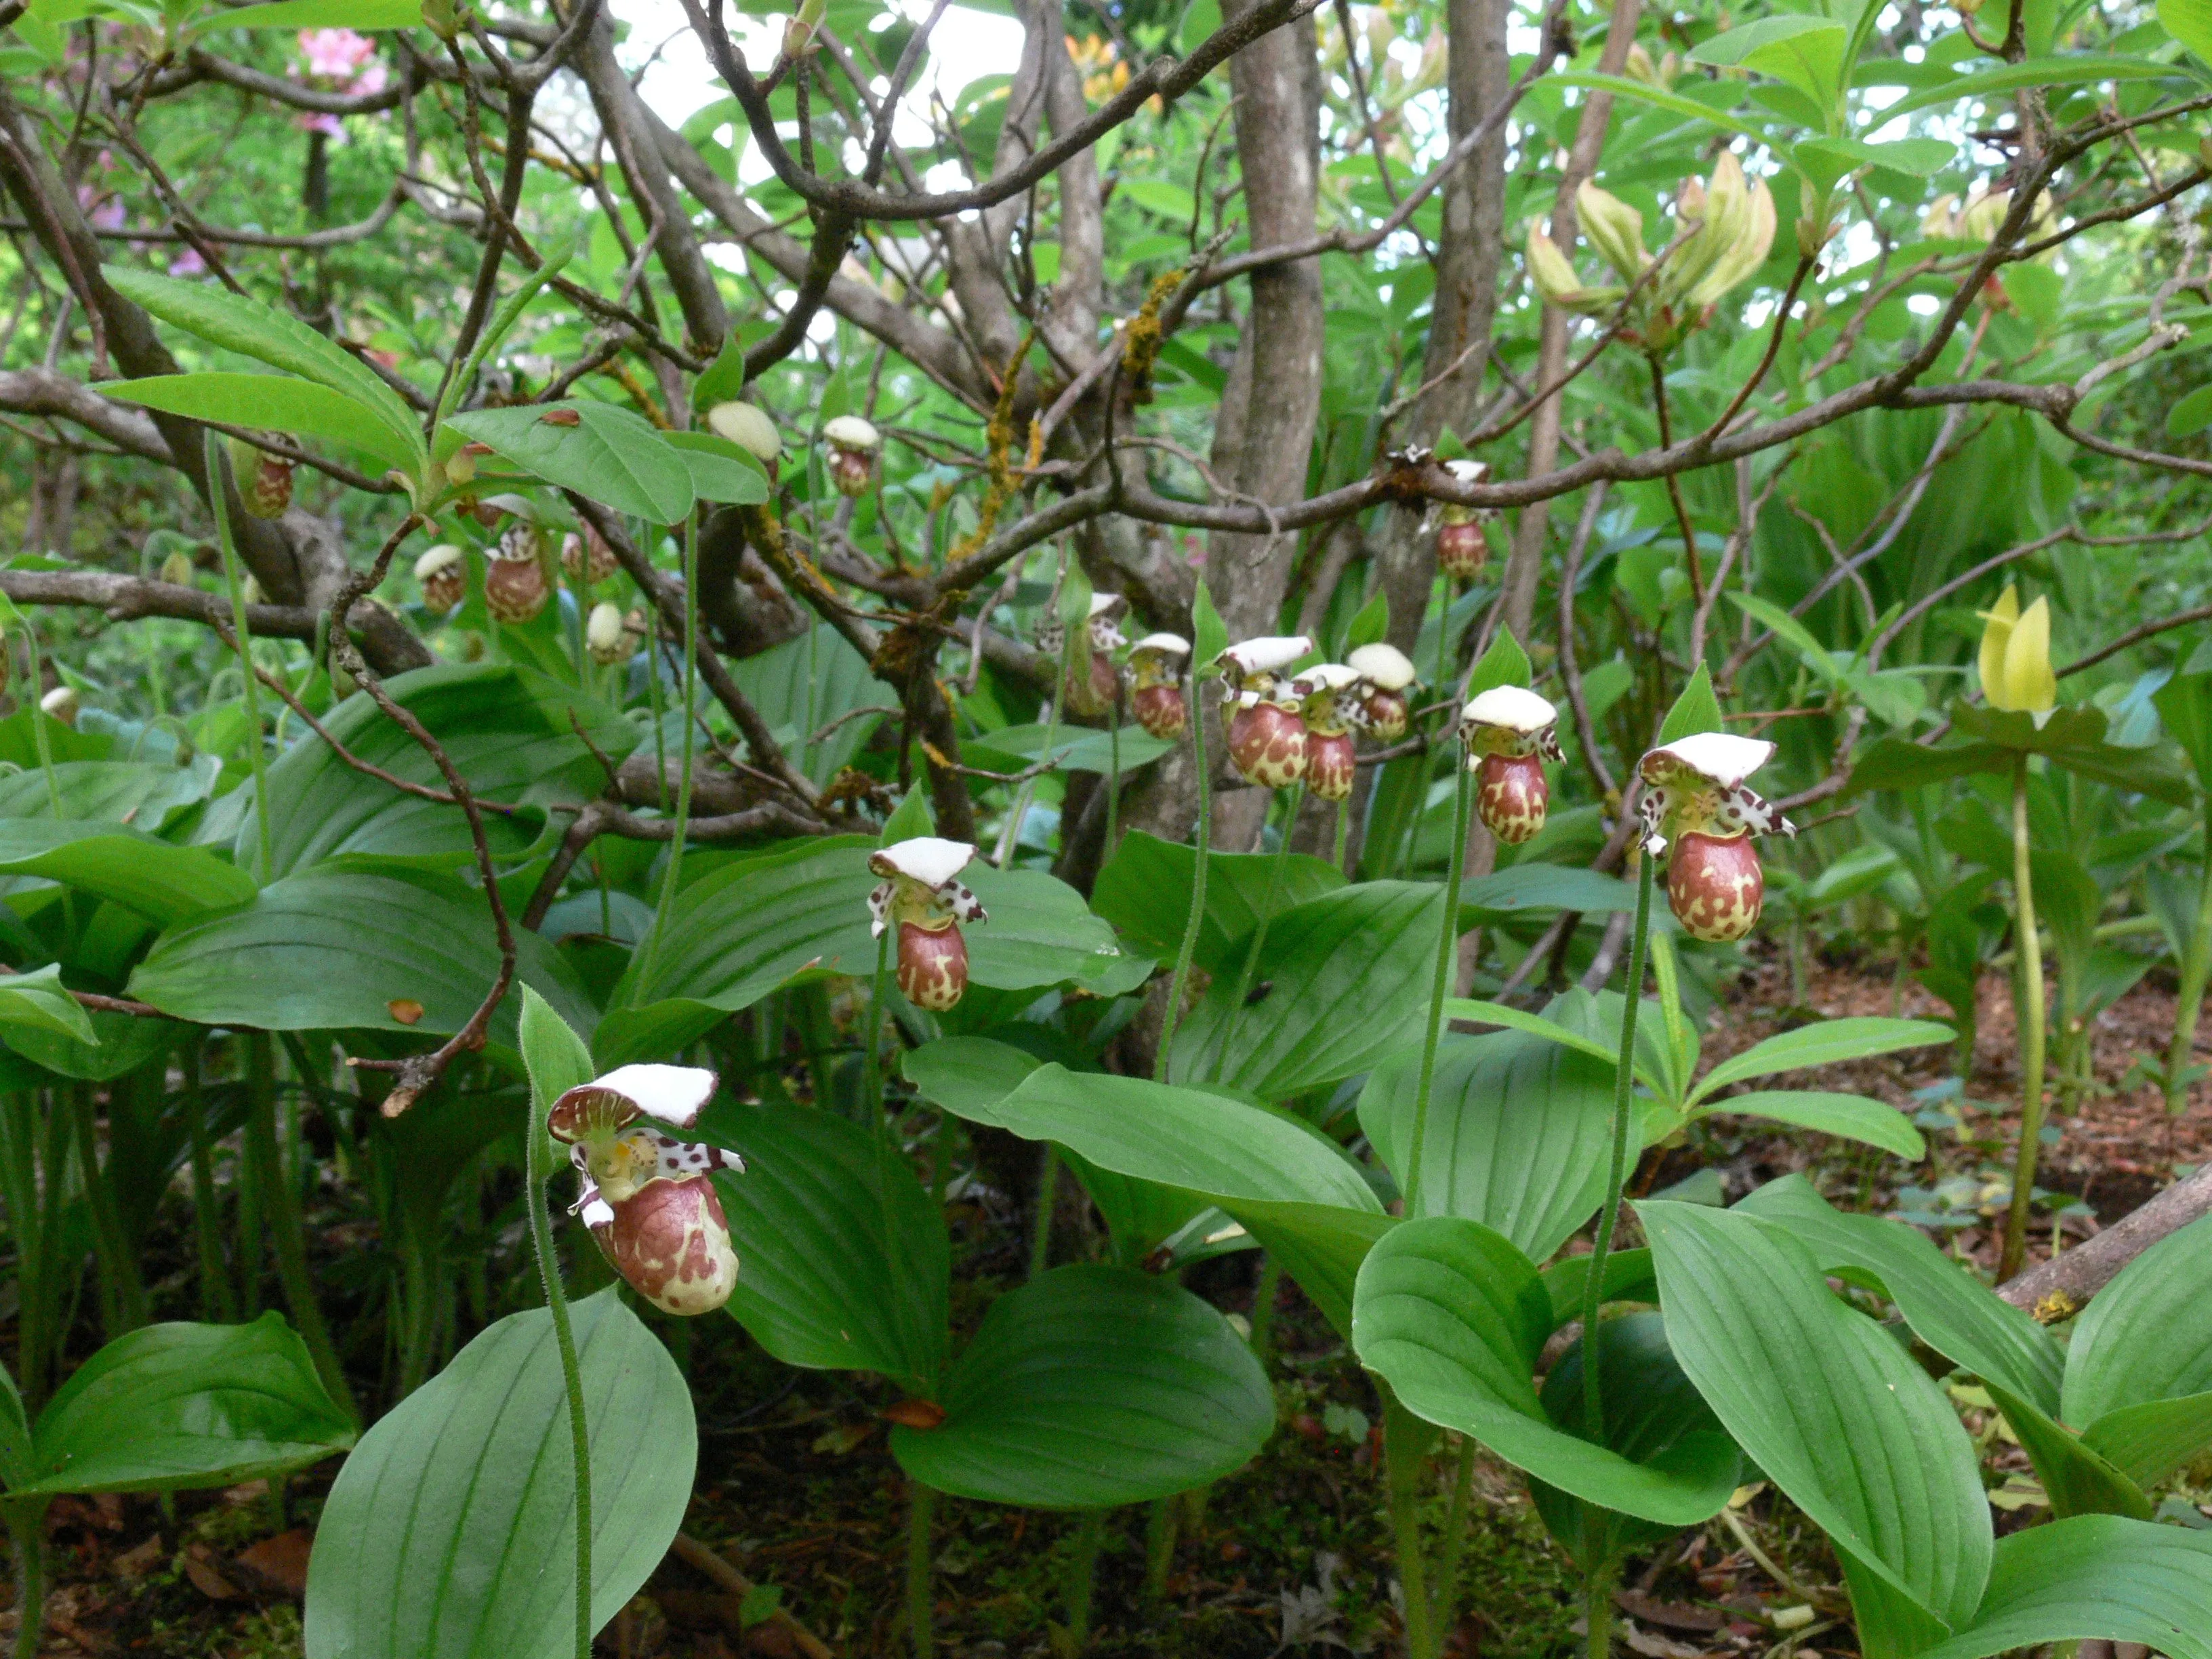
[{"x": 2015, "y": 662}]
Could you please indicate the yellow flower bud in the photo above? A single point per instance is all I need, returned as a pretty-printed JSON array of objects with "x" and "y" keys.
[
  {"x": 1614, "y": 228},
  {"x": 2015, "y": 656}
]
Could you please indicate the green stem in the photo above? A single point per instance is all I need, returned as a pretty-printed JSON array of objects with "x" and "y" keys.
[
  {"x": 921, "y": 1602},
  {"x": 1263, "y": 1306},
  {"x": 1234, "y": 1013},
  {"x": 1623, "y": 1101},
  {"x": 419, "y": 1292},
  {"x": 39, "y": 719},
  {"x": 216, "y": 1302},
  {"x": 2196, "y": 971},
  {"x": 1405, "y": 1449},
  {"x": 1343, "y": 837},
  {"x": 1440, "y": 986},
  {"x": 19, "y": 1178},
  {"x": 1597, "y": 1608},
  {"x": 219, "y": 499},
  {"x": 871, "y": 1088},
  {"x": 534, "y": 1140},
  {"x": 668, "y": 887},
  {"x": 1047, "y": 1199},
  {"x": 1083, "y": 1576},
  {"x": 1199, "y": 853},
  {"x": 1455, "y": 1535},
  {"x": 1113, "y": 776},
  {"x": 26, "y": 1520},
  {"x": 2029, "y": 1012},
  {"x": 1160, "y": 1528},
  {"x": 287, "y": 1234},
  {"x": 122, "y": 1295}
]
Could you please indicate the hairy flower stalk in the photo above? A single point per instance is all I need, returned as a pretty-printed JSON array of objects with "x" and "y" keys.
[
  {"x": 922, "y": 897},
  {"x": 2017, "y": 679},
  {"x": 1510, "y": 732},
  {"x": 645, "y": 1193},
  {"x": 1202, "y": 845},
  {"x": 1155, "y": 693},
  {"x": 1695, "y": 800},
  {"x": 1267, "y": 738}
]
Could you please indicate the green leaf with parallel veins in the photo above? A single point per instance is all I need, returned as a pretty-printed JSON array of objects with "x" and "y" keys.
[
  {"x": 122, "y": 1044},
  {"x": 160, "y": 880},
  {"x": 175, "y": 1408},
  {"x": 1696, "y": 710},
  {"x": 1090, "y": 1387},
  {"x": 39, "y": 1002},
  {"x": 1854, "y": 1117},
  {"x": 1649, "y": 1409},
  {"x": 1503, "y": 664},
  {"x": 2139, "y": 1367},
  {"x": 1824, "y": 1044},
  {"x": 720, "y": 471},
  {"x": 272, "y": 336},
  {"x": 363, "y": 14},
  {"x": 1454, "y": 1318},
  {"x": 820, "y": 1284},
  {"x": 277, "y": 402},
  {"x": 608, "y": 454},
  {"x": 1347, "y": 973},
  {"x": 2077, "y": 1479},
  {"x": 1830, "y": 1407},
  {"x": 1519, "y": 1133},
  {"x": 1209, "y": 635},
  {"x": 2066, "y": 71},
  {"x": 2098, "y": 1576},
  {"x": 1144, "y": 892},
  {"x": 439, "y": 1538},
  {"x": 1522, "y": 888},
  {"x": 507, "y": 729},
  {"x": 137, "y": 792},
  {"x": 338, "y": 949},
  {"x": 1801, "y": 51}
]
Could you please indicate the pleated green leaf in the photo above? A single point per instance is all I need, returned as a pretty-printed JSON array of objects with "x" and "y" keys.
[
  {"x": 2094, "y": 1576},
  {"x": 160, "y": 880}
]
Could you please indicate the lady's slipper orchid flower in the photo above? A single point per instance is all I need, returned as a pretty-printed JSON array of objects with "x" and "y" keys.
[
  {"x": 1156, "y": 664},
  {"x": 853, "y": 444},
  {"x": 2015, "y": 660},
  {"x": 1461, "y": 548},
  {"x": 1329, "y": 703},
  {"x": 1695, "y": 797},
  {"x": 645, "y": 1195},
  {"x": 1510, "y": 732},
  {"x": 1267, "y": 738},
  {"x": 515, "y": 583},
  {"x": 264, "y": 480},
  {"x": 920, "y": 894},
  {"x": 443, "y": 573},
  {"x": 1387, "y": 671},
  {"x": 587, "y": 557}
]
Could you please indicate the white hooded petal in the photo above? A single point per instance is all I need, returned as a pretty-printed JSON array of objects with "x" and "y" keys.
[
  {"x": 1383, "y": 665},
  {"x": 1720, "y": 757},
  {"x": 1323, "y": 677},
  {"x": 926, "y": 859},
  {"x": 851, "y": 431},
  {"x": 1166, "y": 644},
  {"x": 674, "y": 1095},
  {"x": 1267, "y": 652},
  {"x": 1513, "y": 707}
]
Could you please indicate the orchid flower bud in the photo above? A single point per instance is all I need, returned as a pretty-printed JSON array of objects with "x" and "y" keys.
[
  {"x": 605, "y": 636},
  {"x": 920, "y": 894},
  {"x": 443, "y": 574},
  {"x": 2015, "y": 656},
  {"x": 1510, "y": 732},
  {"x": 1614, "y": 228},
  {"x": 1387, "y": 671},
  {"x": 1267, "y": 738},
  {"x": 1155, "y": 666},
  {"x": 1330, "y": 703},
  {"x": 646, "y": 1195},
  {"x": 264, "y": 481},
  {"x": 1695, "y": 798},
  {"x": 461, "y": 468},
  {"x": 587, "y": 557},
  {"x": 1461, "y": 548},
  {"x": 853, "y": 444},
  {"x": 515, "y": 585}
]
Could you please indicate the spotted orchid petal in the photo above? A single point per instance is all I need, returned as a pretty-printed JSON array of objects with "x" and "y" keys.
[{"x": 1695, "y": 785}]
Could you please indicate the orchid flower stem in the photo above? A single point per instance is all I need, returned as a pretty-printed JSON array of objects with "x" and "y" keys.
[
  {"x": 219, "y": 499},
  {"x": 2030, "y": 952},
  {"x": 668, "y": 885},
  {"x": 286, "y": 1232},
  {"x": 1597, "y": 1609},
  {"x": 2196, "y": 970},
  {"x": 1440, "y": 988},
  {"x": 1623, "y": 1114},
  {"x": 1343, "y": 837},
  {"x": 1047, "y": 1197},
  {"x": 1264, "y": 1297},
  {"x": 535, "y": 1142},
  {"x": 1161, "y": 1526},
  {"x": 1405, "y": 1450},
  {"x": 920, "y": 1598},
  {"x": 871, "y": 1038},
  {"x": 1083, "y": 1575},
  {"x": 39, "y": 719},
  {"x": 1234, "y": 1013},
  {"x": 1455, "y": 1535},
  {"x": 26, "y": 1528},
  {"x": 1189, "y": 946},
  {"x": 1113, "y": 776},
  {"x": 216, "y": 1302}
]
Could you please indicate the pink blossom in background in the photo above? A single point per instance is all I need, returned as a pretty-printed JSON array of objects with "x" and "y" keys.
[
  {"x": 334, "y": 54},
  {"x": 188, "y": 263}
]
